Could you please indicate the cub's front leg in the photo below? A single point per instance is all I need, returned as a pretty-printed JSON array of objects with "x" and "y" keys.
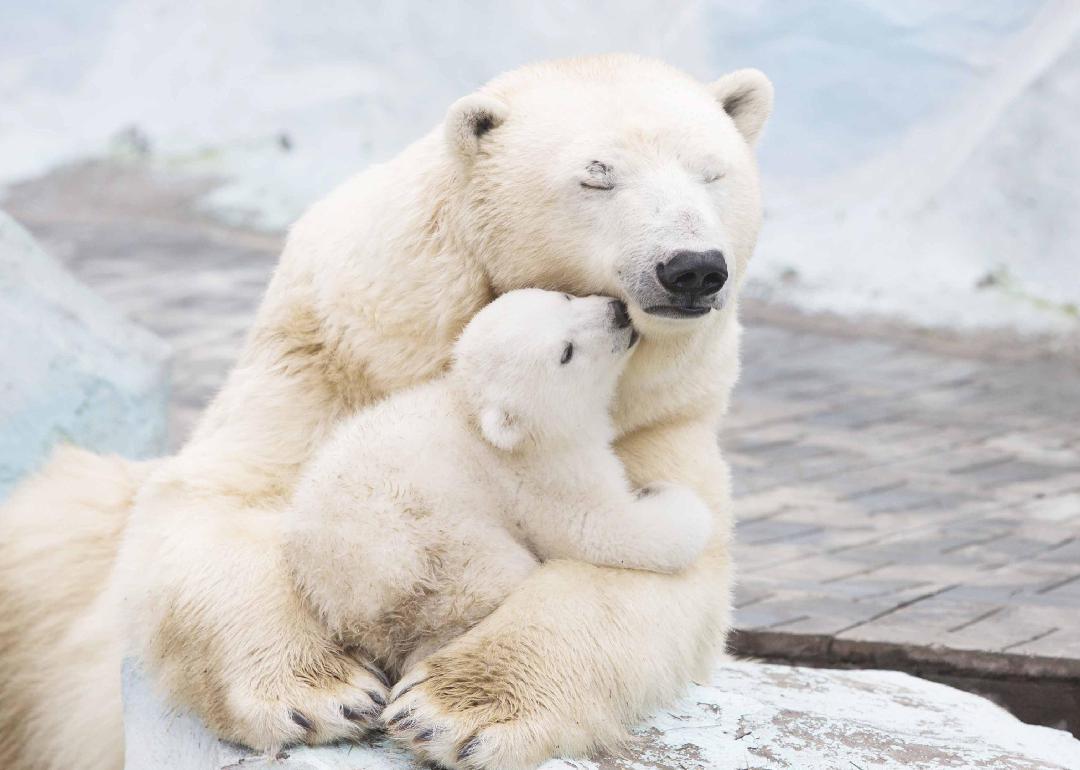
[
  {"x": 664, "y": 527},
  {"x": 578, "y": 653}
]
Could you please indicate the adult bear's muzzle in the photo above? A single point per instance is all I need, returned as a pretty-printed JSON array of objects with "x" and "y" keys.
[{"x": 691, "y": 278}]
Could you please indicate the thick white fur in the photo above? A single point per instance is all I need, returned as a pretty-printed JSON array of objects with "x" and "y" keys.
[
  {"x": 375, "y": 283},
  {"x": 425, "y": 511}
]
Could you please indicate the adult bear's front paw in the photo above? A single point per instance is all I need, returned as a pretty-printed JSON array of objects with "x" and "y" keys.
[
  {"x": 451, "y": 713},
  {"x": 326, "y": 698}
]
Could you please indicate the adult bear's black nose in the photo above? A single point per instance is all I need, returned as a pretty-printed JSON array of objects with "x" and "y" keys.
[
  {"x": 619, "y": 314},
  {"x": 693, "y": 273}
]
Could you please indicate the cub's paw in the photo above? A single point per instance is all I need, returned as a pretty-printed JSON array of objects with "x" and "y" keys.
[
  {"x": 687, "y": 520},
  {"x": 461, "y": 725},
  {"x": 335, "y": 698}
]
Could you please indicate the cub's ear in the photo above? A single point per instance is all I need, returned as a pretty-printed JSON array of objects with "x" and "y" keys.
[
  {"x": 747, "y": 96},
  {"x": 469, "y": 118},
  {"x": 501, "y": 428}
]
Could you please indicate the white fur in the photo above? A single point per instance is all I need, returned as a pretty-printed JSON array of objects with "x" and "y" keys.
[
  {"x": 375, "y": 284},
  {"x": 422, "y": 513}
]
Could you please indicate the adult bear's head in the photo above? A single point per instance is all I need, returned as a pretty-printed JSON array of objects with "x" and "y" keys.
[{"x": 617, "y": 175}]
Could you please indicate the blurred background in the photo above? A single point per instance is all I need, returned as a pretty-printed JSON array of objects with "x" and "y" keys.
[
  {"x": 906, "y": 436},
  {"x": 921, "y": 162}
]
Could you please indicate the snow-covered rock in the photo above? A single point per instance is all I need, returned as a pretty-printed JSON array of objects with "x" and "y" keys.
[
  {"x": 72, "y": 369},
  {"x": 748, "y": 716}
]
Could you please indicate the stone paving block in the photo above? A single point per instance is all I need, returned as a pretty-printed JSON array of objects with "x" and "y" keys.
[
  {"x": 809, "y": 613},
  {"x": 1001, "y": 628},
  {"x": 751, "y": 561},
  {"x": 920, "y": 620},
  {"x": 997, "y": 594},
  {"x": 1064, "y": 510},
  {"x": 812, "y": 466},
  {"x": 935, "y": 443},
  {"x": 1065, "y": 551},
  {"x": 899, "y": 498},
  {"x": 900, "y": 569},
  {"x": 898, "y": 590},
  {"x": 1010, "y": 472},
  {"x": 781, "y": 452},
  {"x": 1065, "y": 484},
  {"x": 855, "y": 416},
  {"x": 968, "y": 461},
  {"x": 1063, "y": 643},
  {"x": 748, "y": 593},
  {"x": 817, "y": 571},
  {"x": 771, "y": 530},
  {"x": 1016, "y": 548},
  {"x": 854, "y": 485},
  {"x": 771, "y": 614},
  {"x": 766, "y": 412},
  {"x": 733, "y": 440},
  {"x": 1041, "y": 443}
]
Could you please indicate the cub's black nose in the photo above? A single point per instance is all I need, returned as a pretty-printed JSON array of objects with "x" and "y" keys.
[
  {"x": 693, "y": 273},
  {"x": 618, "y": 310}
]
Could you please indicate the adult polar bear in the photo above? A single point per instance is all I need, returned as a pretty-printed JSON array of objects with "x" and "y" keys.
[{"x": 615, "y": 175}]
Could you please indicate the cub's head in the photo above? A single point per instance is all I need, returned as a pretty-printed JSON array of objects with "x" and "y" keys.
[
  {"x": 540, "y": 367},
  {"x": 615, "y": 175}
]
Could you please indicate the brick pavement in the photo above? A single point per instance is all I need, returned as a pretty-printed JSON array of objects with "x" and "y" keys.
[
  {"x": 897, "y": 506},
  {"x": 891, "y": 494}
]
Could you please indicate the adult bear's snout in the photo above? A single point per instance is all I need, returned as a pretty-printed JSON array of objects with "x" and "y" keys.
[{"x": 693, "y": 274}]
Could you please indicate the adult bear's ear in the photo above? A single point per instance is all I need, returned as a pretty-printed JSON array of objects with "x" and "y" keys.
[
  {"x": 469, "y": 118},
  {"x": 500, "y": 427},
  {"x": 747, "y": 96}
]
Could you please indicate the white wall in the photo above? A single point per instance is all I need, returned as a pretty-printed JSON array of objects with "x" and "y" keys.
[{"x": 918, "y": 150}]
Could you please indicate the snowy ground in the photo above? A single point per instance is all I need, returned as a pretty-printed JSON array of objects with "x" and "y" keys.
[{"x": 920, "y": 163}]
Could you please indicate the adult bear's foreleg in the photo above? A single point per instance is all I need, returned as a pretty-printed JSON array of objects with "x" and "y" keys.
[{"x": 578, "y": 653}]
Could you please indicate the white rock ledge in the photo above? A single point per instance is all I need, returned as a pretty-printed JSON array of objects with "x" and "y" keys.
[
  {"x": 748, "y": 716},
  {"x": 72, "y": 368}
]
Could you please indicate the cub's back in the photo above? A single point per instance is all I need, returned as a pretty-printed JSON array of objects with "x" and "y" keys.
[{"x": 395, "y": 532}]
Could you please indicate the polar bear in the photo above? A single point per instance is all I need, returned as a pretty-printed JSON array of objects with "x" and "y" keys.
[
  {"x": 614, "y": 175},
  {"x": 424, "y": 511}
]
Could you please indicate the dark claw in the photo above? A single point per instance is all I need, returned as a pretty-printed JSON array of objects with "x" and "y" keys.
[
  {"x": 418, "y": 681},
  {"x": 468, "y": 748},
  {"x": 424, "y": 736},
  {"x": 354, "y": 715},
  {"x": 301, "y": 720},
  {"x": 377, "y": 699},
  {"x": 375, "y": 672},
  {"x": 404, "y": 714}
]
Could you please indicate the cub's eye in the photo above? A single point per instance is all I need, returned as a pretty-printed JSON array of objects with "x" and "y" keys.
[
  {"x": 712, "y": 176},
  {"x": 567, "y": 353},
  {"x": 599, "y": 177}
]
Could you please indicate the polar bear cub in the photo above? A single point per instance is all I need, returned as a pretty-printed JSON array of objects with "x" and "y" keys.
[{"x": 425, "y": 510}]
